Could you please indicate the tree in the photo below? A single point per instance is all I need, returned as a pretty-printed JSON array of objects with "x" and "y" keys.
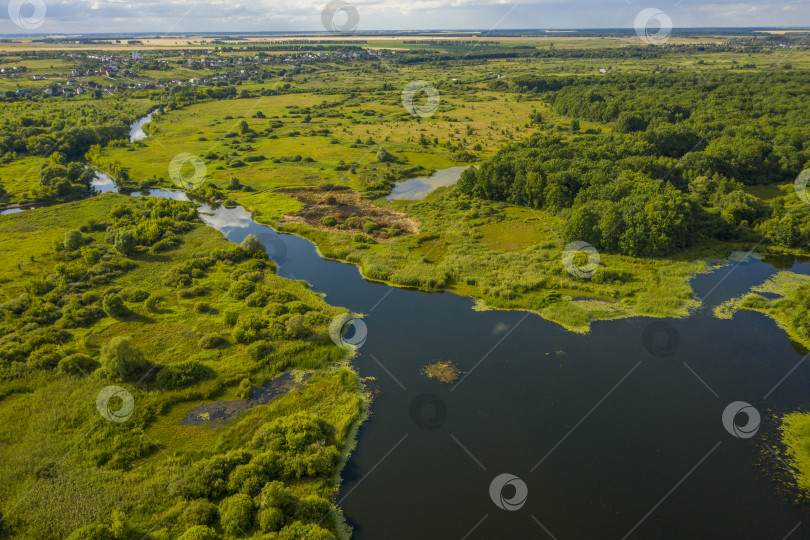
[
  {"x": 575, "y": 127},
  {"x": 244, "y": 127},
  {"x": 199, "y": 532},
  {"x": 123, "y": 361},
  {"x": 252, "y": 245},
  {"x": 236, "y": 514},
  {"x": 125, "y": 243},
  {"x": 384, "y": 156}
]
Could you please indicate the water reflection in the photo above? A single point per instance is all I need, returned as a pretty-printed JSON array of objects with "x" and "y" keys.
[{"x": 417, "y": 189}]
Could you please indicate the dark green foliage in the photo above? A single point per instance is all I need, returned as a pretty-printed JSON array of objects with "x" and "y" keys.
[
  {"x": 123, "y": 361},
  {"x": 251, "y": 244},
  {"x": 77, "y": 365},
  {"x": 200, "y": 532},
  {"x": 208, "y": 478},
  {"x": 212, "y": 341},
  {"x": 198, "y": 512},
  {"x": 259, "y": 351},
  {"x": 114, "y": 307},
  {"x": 125, "y": 243},
  {"x": 305, "y": 443},
  {"x": 236, "y": 514},
  {"x": 183, "y": 375},
  {"x": 241, "y": 289},
  {"x": 73, "y": 240}
]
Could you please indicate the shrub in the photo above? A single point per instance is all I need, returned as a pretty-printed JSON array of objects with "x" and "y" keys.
[
  {"x": 274, "y": 309},
  {"x": 245, "y": 389},
  {"x": 242, "y": 289},
  {"x": 231, "y": 317},
  {"x": 295, "y": 326},
  {"x": 310, "y": 531},
  {"x": 138, "y": 295},
  {"x": 259, "y": 350},
  {"x": 297, "y": 307},
  {"x": 312, "y": 508},
  {"x": 183, "y": 375},
  {"x": 199, "y": 532},
  {"x": 248, "y": 330},
  {"x": 276, "y": 495},
  {"x": 125, "y": 243},
  {"x": 203, "y": 307},
  {"x": 329, "y": 221},
  {"x": 123, "y": 361},
  {"x": 212, "y": 341},
  {"x": 270, "y": 519},
  {"x": 207, "y": 478},
  {"x": 198, "y": 512},
  {"x": 251, "y": 244},
  {"x": 257, "y": 299},
  {"x": 77, "y": 364},
  {"x": 113, "y": 306},
  {"x": 152, "y": 303},
  {"x": 370, "y": 226},
  {"x": 47, "y": 357},
  {"x": 236, "y": 514},
  {"x": 73, "y": 240}
]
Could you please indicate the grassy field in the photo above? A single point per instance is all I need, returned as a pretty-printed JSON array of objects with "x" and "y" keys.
[{"x": 58, "y": 448}]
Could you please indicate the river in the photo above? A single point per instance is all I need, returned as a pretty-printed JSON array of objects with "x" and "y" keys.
[
  {"x": 611, "y": 440},
  {"x": 601, "y": 431}
]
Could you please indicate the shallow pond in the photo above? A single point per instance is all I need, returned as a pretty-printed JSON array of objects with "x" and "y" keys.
[{"x": 416, "y": 189}]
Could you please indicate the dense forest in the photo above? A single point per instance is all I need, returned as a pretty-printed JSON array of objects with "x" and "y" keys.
[{"x": 675, "y": 166}]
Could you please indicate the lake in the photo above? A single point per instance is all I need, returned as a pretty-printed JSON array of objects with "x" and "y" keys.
[{"x": 600, "y": 429}]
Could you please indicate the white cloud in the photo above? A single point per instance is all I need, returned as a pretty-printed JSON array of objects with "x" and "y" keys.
[{"x": 99, "y": 16}]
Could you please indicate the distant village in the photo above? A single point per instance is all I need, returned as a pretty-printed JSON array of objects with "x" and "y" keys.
[{"x": 120, "y": 67}]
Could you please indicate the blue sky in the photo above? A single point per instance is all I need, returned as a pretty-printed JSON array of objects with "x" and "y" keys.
[{"x": 81, "y": 16}]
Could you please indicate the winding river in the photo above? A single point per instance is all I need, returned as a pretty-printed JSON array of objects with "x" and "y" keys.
[
  {"x": 611, "y": 436},
  {"x": 615, "y": 434}
]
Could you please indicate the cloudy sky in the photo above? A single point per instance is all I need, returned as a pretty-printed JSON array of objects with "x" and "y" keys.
[{"x": 92, "y": 16}]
